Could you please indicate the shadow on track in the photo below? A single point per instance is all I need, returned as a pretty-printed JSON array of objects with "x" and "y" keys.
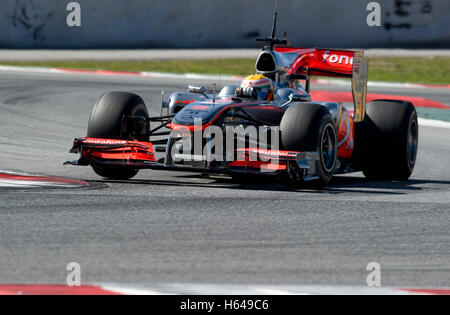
[{"x": 338, "y": 185}]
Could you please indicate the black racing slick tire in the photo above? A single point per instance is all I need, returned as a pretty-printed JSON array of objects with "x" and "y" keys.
[
  {"x": 108, "y": 121},
  {"x": 309, "y": 127},
  {"x": 391, "y": 138}
]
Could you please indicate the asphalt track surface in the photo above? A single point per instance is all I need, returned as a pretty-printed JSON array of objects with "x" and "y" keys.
[{"x": 168, "y": 227}]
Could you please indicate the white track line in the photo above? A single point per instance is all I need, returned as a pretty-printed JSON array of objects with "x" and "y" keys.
[
  {"x": 434, "y": 123},
  {"x": 215, "y": 289},
  {"x": 30, "y": 183},
  {"x": 132, "y": 291},
  {"x": 211, "y": 289}
]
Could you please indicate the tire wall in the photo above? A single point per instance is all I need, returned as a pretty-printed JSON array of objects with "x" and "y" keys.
[{"x": 221, "y": 23}]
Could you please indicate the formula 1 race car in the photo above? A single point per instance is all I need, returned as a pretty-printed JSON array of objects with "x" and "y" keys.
[{"x": 267, "y": 126}]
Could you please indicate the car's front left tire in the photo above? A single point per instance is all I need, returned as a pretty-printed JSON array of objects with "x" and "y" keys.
[{"x": 108, "y": 121}]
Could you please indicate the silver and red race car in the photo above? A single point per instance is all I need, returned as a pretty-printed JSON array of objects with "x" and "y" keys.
[{"x": 289, "y": 136}]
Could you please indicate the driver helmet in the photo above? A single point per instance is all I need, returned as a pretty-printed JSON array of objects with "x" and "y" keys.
[{"x": 261, "y": 87}]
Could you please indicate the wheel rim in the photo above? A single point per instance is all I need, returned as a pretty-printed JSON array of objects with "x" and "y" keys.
[
  {"x": 128, "y": 131},
  {"x": 328, "y": 148},
  {"x": 413, "y": 141}
]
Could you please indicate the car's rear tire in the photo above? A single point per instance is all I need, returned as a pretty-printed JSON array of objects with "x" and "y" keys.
[
  {"x": 391, "y": 137},
  {"x": 309, "y": 127},
  {"x": 108, "y": 121}
]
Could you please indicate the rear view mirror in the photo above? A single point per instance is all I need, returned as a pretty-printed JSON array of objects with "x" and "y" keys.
[
  {"x": 294, "y": 97},
  {"x": 197, "y": 89}
]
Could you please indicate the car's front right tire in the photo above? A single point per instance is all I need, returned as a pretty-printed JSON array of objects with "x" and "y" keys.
[{"x": 309, "y": 127}]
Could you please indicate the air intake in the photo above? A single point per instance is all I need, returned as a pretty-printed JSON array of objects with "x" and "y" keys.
[{"x": 265, "y": 64}]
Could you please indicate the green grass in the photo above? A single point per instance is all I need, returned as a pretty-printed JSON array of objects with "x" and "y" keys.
[
  {"x": 414, "y": 70},
  {"x": 393, "y": 69}
]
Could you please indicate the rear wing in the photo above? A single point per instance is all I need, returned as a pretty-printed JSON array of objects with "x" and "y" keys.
[{"x": 302, "y": 63}]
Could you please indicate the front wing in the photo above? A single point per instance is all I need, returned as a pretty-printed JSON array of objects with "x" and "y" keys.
[{"x": 110, "y": 153}]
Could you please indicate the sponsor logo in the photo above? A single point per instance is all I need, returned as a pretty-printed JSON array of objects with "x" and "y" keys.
[
  {"x": 340, "y": 59},
  {"x": 200, "y": 107},
  {"x": 273, "y": 152},
  {"x": 101, "y": 141},
  {"x": 185, "y": 102},
  {"x": 260, "y": 83}
]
